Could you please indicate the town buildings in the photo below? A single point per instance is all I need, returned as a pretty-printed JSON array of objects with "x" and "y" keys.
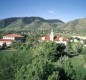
[
  {"x": 9, "y": 38},
  {"x": 51, "y": 37}
]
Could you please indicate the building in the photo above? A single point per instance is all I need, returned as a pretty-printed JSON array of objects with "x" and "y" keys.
[
  {"x": 51, "y": 37},
  {"x": 7, "y": 41},
  {"x": 16, "y": 37},
  {"x": 9, "y": 38}
]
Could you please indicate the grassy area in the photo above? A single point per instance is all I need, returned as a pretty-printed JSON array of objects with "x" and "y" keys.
[
  {"x": 77, "y": 61},
  {"x": 6, "y": 53},
  {"x": 5, "y": 56}
]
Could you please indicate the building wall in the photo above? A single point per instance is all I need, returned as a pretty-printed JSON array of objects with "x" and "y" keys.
[
  {"x": 43, "y": 38},
  {"x": 12, "y": 38},
  {"x": 7, "y": 43},
  {"x": 64, "y": 42},
  {"x": 52, "y": 35}
]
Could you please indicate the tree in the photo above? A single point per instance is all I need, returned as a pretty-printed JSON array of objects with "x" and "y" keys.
[
  {"x": 41, "y": 67},
  {"x": 54, "y": 76},
  {"x": 16, "y": 45},
  {"x": 61, "y": 50},
  {"x": 4, "y": 45},
  {"x": 74, "y": 48},
  {"x": 84, "y": 50},
  {"x": 72, "y": 71}
]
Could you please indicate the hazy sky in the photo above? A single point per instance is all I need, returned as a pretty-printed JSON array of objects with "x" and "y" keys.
[{"x": 64, "y": 10}]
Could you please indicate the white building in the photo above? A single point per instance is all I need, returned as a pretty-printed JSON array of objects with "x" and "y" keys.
[
  {"x": 51, "y": 37},
  {"x": 13, "y": 37},
  {"x": 9, "y": 38},
  {"x": 7, "y": 41}
]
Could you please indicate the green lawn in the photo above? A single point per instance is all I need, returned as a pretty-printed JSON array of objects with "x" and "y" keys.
[
  {"x": 5, "y": 57},
  {"x": 5, "y": 53}
]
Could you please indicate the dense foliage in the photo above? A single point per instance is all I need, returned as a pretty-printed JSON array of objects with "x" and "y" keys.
[{"x": 32, "y": 60}]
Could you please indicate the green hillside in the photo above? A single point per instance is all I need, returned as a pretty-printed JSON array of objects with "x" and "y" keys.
[
  {"x": 38, "y": 23},
  {"x": 29, "y": 23},
  {"x": 78, "y": 26}
]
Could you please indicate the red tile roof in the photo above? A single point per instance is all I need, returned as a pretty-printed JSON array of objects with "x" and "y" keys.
[
  {"x": 13, "y": 35},
  {"x": 47, "y": 38},
  {"x": 40, "y": 38},
  {"x": 56, "y": 38},
  {"x": 8, "y": 40},
  {"x": 64, "y": 39}
]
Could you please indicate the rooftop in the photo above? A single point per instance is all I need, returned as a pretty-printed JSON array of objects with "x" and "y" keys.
[
  {"x": 8, "y": 40},
  {"x": 14, "y": 35}
]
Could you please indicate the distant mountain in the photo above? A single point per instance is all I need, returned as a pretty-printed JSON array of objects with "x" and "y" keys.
[
  {"x": 78, "y": 25},
  {"x": 54, "y": 21},
  {"x": 7, "y": 21},
  {"x": 29, "y": 23},
  {"x": 38, "y": 23}
]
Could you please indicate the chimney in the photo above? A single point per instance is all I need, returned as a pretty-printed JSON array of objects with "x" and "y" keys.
[{"x": 52, "y": 35}]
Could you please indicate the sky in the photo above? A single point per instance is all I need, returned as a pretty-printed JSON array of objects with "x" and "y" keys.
[{"x": 65, "y": 10}]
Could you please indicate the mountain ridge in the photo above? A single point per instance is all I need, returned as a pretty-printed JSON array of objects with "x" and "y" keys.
[
  {"x": 29, "y": 22},
  {"x": 38, "y": 23}
]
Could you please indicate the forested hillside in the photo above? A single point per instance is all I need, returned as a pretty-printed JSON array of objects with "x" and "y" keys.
[
  {"x": 78, "y": 26},
  {"x": 29, "y": 23},
  {"x": 38, "y": 23}
]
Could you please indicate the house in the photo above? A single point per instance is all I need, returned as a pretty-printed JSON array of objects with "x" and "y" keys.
[
  {"x": 51, "y": 37},
  {"x": 9, "y": 38},
  {"x": 13, "y": 36},
  {"x": 7, "y": 41}
]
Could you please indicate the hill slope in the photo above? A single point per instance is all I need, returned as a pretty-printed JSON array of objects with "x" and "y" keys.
[
  {"x": 38, "y": 23},
  {"x": 28, "y": 23},
  {"x": 77, "y": 26}
]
